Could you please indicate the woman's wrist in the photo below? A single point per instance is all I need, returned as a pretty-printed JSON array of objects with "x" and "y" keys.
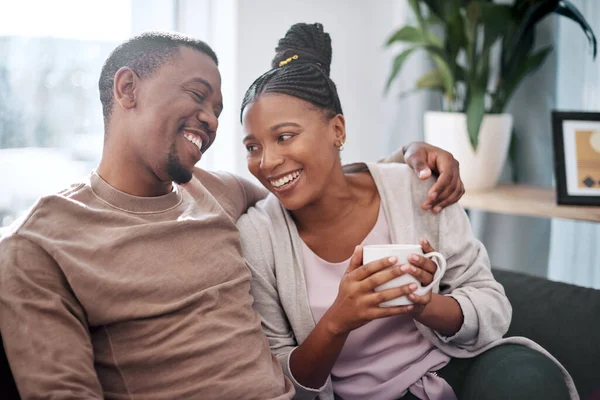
[
  {"x": 331, "y": 326},
  {"x": 442, "y": 314}
]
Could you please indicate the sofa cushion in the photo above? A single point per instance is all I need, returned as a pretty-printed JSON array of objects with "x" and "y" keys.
[{"x": 562, "y": 318}]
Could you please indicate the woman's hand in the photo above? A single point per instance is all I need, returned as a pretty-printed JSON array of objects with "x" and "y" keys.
[
  {"x": 356, "y": 303},
  {"x": 440, "y": 313},
  {"x": 423, "y": 269},
  {"x": 424, "y": 158}
]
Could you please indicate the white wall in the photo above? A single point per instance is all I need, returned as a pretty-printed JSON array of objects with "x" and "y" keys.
[
  {"x": 360, "y": 65},
  {"x": 244, "y": 34}
]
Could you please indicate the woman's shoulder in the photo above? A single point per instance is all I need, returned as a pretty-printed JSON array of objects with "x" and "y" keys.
[
  {"x": 264, "y": 233},
  {"x": 265, "y": 220}
]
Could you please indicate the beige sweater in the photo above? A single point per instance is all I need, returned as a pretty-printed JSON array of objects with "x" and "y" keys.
[
  {"x": 107, "y": 295},
  {"x": 272, "y": 248}
]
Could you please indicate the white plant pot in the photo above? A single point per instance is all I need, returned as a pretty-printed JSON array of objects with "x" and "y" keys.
[{"x": 478, "y": 169}]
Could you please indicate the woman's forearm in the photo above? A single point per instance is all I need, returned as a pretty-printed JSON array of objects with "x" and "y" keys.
[
  {"x": 443, "y": 314},
  {"x": 312, "y": 361}
]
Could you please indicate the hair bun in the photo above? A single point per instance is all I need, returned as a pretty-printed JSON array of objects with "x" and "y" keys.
[{"x": 309, "y": 42}]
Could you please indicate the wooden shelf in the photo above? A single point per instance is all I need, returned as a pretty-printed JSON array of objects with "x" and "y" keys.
[{"x": 526, "y": 200}]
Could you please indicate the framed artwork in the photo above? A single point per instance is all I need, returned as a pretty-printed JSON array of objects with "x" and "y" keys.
[{"x": 576, "y": 138}]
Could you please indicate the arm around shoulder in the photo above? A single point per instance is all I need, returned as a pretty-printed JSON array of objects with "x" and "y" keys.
[
  {"x": 44, "y": 330},
  {"x": 253, "y": 193}
]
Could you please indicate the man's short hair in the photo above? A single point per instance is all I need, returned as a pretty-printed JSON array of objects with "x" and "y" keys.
[{"x": 144, "y": 54}]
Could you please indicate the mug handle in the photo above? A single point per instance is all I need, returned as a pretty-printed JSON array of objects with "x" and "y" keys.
[{"x": 440, "y": 261}]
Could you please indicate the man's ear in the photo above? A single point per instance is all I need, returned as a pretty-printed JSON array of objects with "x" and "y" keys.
[
  {"x": 338, "y": 124},
  {"x": 125, "y": 85}
]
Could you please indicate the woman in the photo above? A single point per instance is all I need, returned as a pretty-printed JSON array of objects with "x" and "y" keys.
[{"x": 303, "y": 245}]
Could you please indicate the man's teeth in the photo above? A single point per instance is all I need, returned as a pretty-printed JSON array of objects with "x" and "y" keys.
[
  {"x": 194, "y": 139},
  {"x": 286, "y": 179}
]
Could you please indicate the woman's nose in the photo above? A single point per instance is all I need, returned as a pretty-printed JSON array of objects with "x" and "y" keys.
[{"x": 270, "y": 159}]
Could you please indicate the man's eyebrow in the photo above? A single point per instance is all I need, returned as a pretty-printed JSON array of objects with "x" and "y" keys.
[
  {"x": 201, "y": 81},
  {"x": 248, "y": 137},
  {"x": 284, "y": 124}
]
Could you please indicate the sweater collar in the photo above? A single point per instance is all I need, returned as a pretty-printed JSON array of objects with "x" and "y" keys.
[{"x": 133, "y": 204}]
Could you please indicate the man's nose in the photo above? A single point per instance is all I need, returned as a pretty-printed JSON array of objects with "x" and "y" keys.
[
  {"x": 208, "y": 118},
  {"x": 270, "y": 159}
]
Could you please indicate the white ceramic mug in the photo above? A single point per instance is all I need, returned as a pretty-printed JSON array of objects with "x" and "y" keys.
[{"x": 402, "y": 251}]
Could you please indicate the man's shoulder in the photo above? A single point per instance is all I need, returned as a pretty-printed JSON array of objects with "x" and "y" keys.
[
  {"x": 219, "y": 182},
  {"x": 51, "y": 207}
]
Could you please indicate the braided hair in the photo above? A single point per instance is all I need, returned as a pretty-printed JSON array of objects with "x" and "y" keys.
[{"x": 305, "y": 56}]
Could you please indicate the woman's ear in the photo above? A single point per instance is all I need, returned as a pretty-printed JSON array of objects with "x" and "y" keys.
[
  {"x": 338, "y": 125},
  {"x": 125, "y": 85}
]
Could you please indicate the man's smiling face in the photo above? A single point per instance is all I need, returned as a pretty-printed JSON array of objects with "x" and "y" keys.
[{"x": 176, "y": 115}]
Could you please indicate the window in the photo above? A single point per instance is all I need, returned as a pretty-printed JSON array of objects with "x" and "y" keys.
[{"x": 51, "y": 127}]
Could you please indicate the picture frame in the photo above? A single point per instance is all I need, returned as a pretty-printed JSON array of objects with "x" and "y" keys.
[{"x": 576, "y": 143}]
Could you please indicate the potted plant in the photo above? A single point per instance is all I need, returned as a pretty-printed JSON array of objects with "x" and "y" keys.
[{"x": 460, "y": 37}]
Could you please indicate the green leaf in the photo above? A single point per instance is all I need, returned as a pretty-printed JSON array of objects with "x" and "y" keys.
[
  {"x": 471, "y": 19},
  {"x": 455, "y": 34},
  {"x": 397, "y": 66},
  {"x": 482, "y": 69},
  {"x": 530, "y": 14},
  {"x": 475, "y": 113},
  {"x": 434, "y": 40},
  {"x": 443, "y": 8},
  {"x": 532, "y": 63},
  {"x": 438, "y": 56},
  {"x": 416, "y": 7},
  {"x": 408, "y": 34},
  {"x": 567, "y": 9},
  {"x": 432, "y": 79},
  {"x": 433, "y": 19},
  {"x": 447, "y": 78},
  {"x": 497, "y": 19}
]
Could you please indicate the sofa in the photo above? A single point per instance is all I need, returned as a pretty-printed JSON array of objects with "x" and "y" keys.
[{"x": 564, "y": 319}]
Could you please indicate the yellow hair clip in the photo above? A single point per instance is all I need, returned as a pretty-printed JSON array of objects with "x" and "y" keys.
[{"x": 288, "y": 60}]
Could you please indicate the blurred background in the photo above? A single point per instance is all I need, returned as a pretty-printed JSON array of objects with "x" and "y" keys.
[{"x": 51, "y": 53}]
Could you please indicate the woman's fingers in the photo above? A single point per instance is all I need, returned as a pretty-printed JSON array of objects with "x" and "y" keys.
[
  {"x": 366, "y": 270},
  {"x": 389, "y": 294},
  {"x": 381, "y": 277},
  {"x": 384, "y": 312},
  {"x": 420, "y": 262},
  {"x": 420, "y": 300},
  {"x": 355, "y": 260},
  {"x": 426, "y": 246},
  {"x": 422, "y": 275}
]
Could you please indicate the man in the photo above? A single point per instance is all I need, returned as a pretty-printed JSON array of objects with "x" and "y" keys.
[{"x": 126, "y": 286}]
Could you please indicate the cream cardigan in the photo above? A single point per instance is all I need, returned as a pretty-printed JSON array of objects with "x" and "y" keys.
[{"x": 271, "y": 246}]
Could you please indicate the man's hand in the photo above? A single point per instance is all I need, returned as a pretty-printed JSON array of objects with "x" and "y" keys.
[{"x": 424, "y": 158}]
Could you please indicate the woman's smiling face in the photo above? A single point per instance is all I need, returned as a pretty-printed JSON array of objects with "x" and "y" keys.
[{"x": 291, "y": 147}]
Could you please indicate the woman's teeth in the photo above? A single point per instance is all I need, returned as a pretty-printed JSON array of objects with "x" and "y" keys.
[
  {"x": 194, "y": 139},
  {"x": 286, "y": 179}
]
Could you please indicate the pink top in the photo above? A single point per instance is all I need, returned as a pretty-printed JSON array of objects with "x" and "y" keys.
[{"x": 384, "y": 358}]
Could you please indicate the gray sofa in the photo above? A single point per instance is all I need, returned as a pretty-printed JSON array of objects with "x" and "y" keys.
[{"x": 564, "y": 319}]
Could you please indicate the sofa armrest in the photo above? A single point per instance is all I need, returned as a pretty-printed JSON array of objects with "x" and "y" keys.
[{"x": 562, "y": 318}]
